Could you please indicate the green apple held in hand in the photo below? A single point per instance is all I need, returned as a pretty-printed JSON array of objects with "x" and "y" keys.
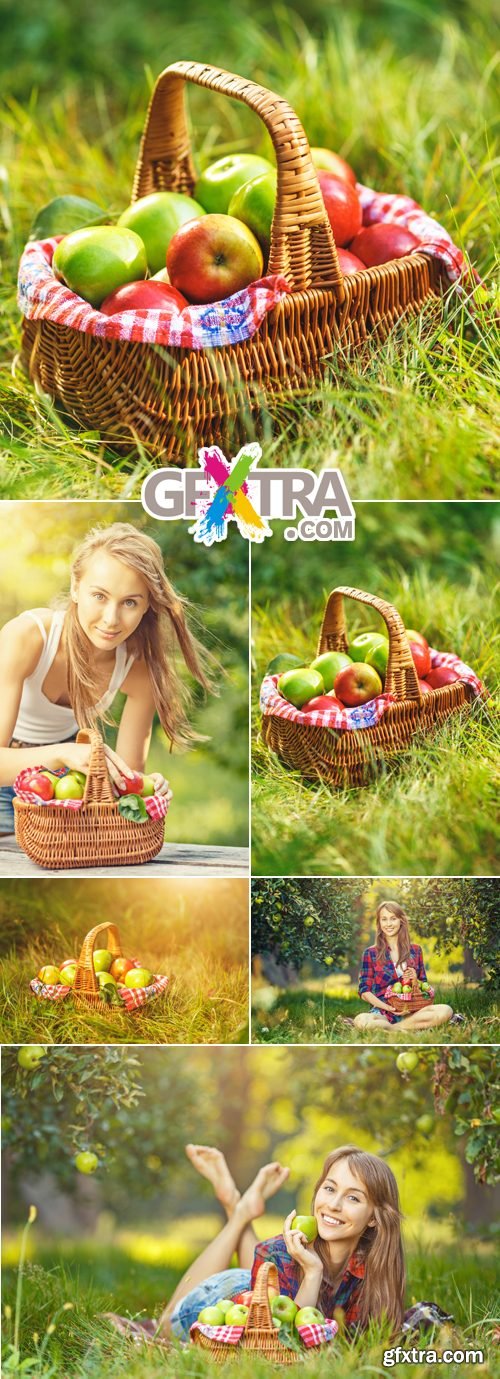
[
  {"x": 156, "y": 219},
  {"x": 102, "y": 960},
  {"x": 86, "y": 1162},
  {"x": 308, "y": 1225},
  {"x": 148, "y": 786},
  {"x": 93, "y": 263},
  {"x": 30, "y": 1055},
  {"x": 219, "y": 183},
  {"x": 298, "y": 686},
  {"x": 329, "y": 664}
]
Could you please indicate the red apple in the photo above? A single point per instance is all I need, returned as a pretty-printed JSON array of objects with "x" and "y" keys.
[
  {"x": 320, "y": 703},
  {"x": 120, "y": 967},
  {"x": 349, "y": 263},
  {"x": 442, "y": 675},
  {"x": 343, "y": 207},
  {"x": 133, "y": 784},
  {"x": 211, "y": 258},
  {"x": 327, "y": 161},
  {"x": 144, "y": 296},
  {"x": 382, "y": 242},
  {"x": 421, "y": 654},
  {"x": 419, "y": 639},
  {"x": 357, "y": 684},
  {"x": 424, "y": 687},
  {"x": 40, "y": 785}
]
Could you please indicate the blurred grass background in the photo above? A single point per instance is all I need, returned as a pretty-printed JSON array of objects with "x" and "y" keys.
[
  {"x": 210, "y": 782},
  {"x": 403, "y": 88}
]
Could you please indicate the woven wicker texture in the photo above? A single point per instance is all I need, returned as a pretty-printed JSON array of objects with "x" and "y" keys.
[
  {"x": 86, "y": 990},
  {"x": 408, "y": 1007},
  {"x": 177, "y": 399},
  {"x": 94, "y": 836},
  {"x": 260, "y": 1334},
  {"x": 348, "y": 758}
]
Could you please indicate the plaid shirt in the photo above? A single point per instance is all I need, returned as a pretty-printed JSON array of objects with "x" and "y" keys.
[
  {"x": 379, "y": 973},
  {"x": 346, "y": 1295}
]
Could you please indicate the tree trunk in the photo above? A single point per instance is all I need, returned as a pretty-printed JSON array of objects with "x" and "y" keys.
[
  {"x": 472, "y": 971},
  {"x": 481, "y": 1204}
]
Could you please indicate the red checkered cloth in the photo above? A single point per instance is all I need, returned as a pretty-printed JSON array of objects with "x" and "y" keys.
[
  {"x": 157, "y": 806},
  {"x": 318, "y": 1334},
  {"x": 46, "y": 991},
  {"x": 364, "y": 715},
  {"x": 42, "y": 297},
  {"x": 231, "y": 1335},
  {"x": 405, "y": 995},
  {"x": 135, "y": 997}
]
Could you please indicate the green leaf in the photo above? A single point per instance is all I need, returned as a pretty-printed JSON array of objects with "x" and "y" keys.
[
  {"x": 133, "y": 807},
  {"x": 66, "y": 213}
]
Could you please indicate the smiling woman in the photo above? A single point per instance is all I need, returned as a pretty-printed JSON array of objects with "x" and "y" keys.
[{"x": 62, "y": 669}]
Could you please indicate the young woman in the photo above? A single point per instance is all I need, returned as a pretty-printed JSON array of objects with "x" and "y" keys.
[
  {"x": 356, "y": 1262},
  {"x": 392, "y": 955},
  {"x": 119, "y": 630}
]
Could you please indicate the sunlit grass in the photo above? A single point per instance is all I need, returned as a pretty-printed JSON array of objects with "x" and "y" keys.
[{"x": 307, "y": 1015}]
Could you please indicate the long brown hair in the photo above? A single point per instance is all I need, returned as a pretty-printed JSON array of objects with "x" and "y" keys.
[
  {"x": 403, "y": 934},
  {"x": 383, "y": 1288},
  {"x": 161, "y": 633}
]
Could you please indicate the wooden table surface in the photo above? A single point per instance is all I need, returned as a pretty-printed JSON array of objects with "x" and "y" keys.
[{"x": 175, "y": 859}]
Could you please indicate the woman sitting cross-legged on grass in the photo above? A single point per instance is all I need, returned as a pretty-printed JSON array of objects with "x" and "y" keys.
[
  {"x": 356, "y": 1263},
  {"x": 392, "y": 955}
]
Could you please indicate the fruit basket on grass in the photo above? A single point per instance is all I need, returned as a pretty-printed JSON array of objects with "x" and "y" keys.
[
  {"x": 96, "y": 988},
  {"x": 91, "y": 832},
  {"x": 344, "y": 745},
  {"x": 413, "y": 996},
  {"x": 197, "y": 379},
  {"x": 259, "y": 1332}
]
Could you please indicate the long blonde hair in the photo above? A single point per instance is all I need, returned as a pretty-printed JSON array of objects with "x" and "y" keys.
[
  {"x": 403, "y": 934},
  {"x": 383, "y": 1288},
  {"x": 163, "y": 630}
]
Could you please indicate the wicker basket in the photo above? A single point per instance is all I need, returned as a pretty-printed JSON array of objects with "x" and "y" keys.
[
  {"x": 86, "y": 990},
  {"x": 259, "y": 1334},
  {"x": 96, "y": 835},
  {"x": 174, "y": 399},
  {"x": 417, "y": 1000},
  {"x": 348, "y": 757}
]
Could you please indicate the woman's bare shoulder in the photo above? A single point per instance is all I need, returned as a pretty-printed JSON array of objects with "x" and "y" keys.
[
  {"x": 137, "y": 681},
  {"x": 21, "y": 640}
]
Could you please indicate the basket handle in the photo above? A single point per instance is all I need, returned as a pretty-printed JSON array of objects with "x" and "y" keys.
[
  {"x": 401, "y": 678},
  {"x": 302, "y": 245},
  {"x": 259, "y": 1313},
  {"x": 85, "y": 977},
  {"x": 98, "y": 788}
]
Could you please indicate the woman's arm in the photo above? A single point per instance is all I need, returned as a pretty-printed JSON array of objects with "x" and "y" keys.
[
  {"x": 310, "y": 1263},
  {"x": 134, "y": 733},
  {"x": 367, "y": 982}
]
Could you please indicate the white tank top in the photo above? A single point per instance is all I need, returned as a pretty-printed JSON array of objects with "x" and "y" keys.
[{"x": 39, "y": 722}]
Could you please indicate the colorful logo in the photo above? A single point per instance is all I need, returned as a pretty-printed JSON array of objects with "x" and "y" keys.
[{"x": 231, "y": 497}]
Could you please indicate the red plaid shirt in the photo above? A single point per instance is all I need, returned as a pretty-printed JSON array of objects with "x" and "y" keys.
[
  {"x": 379, "y": 973},
  {"x": 346, "y": 1294}
]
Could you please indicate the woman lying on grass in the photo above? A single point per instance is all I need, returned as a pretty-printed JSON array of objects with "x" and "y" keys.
[
  {"x": 382, "y": 965},
  {"x": 119, "y": 630},
  {"x": 355, "y": 1265}
]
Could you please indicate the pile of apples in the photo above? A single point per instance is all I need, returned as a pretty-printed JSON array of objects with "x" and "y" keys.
[
  {"x": 405, "y": 988},
  {"x": 285, "y": 1312},
  {"x": 70, "y": 785},
  {"x": 110, "y": 972},
  {"x": 169, "y": 249},
  {"x": 338, "y": 680}
]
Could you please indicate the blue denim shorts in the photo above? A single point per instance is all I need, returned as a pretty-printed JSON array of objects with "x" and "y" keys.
[
  {"x": 6, "y": 809},
  {"x": 225, "y": 1285}
]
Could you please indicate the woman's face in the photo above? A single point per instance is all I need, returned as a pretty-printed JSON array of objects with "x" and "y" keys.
[
  {"x": 111, "y": 599},
  {"x": 342, "y": 1206},
  {"x": 390, "y": 924}
]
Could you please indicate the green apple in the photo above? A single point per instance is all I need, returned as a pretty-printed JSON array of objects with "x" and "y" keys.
[
  {"x": 425, "y": 1124},
  {"x": 329, "y": 664},
  {"x": 285, "y": 660},
  {"x": 102, "y": 960},
  {"x": 237, "y": 1315},
  {"x": 300, "y": 685},
  {"x": 105, "y": 979},
  {"x": 225, "y": 1304},
  {"x": 211, "y": 1316},
  {"x": 309, "y": 1316},
  {"x": 68, "y": 973},
  {"x": 364, "y": 645},
  {"x": 156, "y": 218},
  {"x": 50, "y": 975},
  {"x": 308, "y": 1225},
  {"x": 219, "y": 183},
  {"x": 148, "y": 786},
  {"x": 138, "y": 976},
  {"x": 68, "y": 788},
  {"x": 30, "y": 1055},
  {"x": 397, "y": 988},
  {"x": 86, "y": 1161},
  {"x": 407, "y": 1062},
  {"x": 284, "y": 1308},
  {"x": 379, "y": 657},
  {"x": 80, "y": 777},
  {"x": 93, "y": 263},
  {"x": 254, "y": 204}
]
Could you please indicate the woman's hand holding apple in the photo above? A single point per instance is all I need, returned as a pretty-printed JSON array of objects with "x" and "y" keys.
[
  {"x": 161, "y": 785},
  {"x": 304, "y": 1253}
]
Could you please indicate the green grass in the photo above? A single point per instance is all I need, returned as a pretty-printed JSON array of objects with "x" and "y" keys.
[
  {"x": 82, "y": 1346},
  {"x": 407, "y": 93},
  {"x": 303, "y": 1016}
]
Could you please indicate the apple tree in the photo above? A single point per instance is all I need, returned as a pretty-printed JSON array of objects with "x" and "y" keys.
[{"x": 295, "y": 922}]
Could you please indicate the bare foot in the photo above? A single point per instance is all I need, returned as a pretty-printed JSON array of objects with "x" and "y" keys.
[
  {"x": 211, "y": 1164},
  {"x": 268, "y": 1180}
]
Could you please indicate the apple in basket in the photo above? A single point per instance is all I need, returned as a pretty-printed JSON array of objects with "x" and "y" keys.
[
  {"x": 285, "y": 660},
  {"x": 40, "y": 785},
  {"x": 325, "y": 160},
  {"x": 424, "y": 687},
  {"x": 105, "y": 979},
  {"x": 254, "y": 204},
  {"x": 309, "y": 1316},
  {"x": 301, "y": 685},
  {"x": 349, "y": 263},
  {"x": 236, "y": 1315},
  {"x": 329, "y": 664},
  {"x": 156, "y": 218},
  {"x": 102, "y": 960},
  {"x": 284, "y": 1309},
  {"x": 442, "y": 675},
  {"x": 358, "y": 684},
  {"x": 94, "y": 262},
  {"x": 69, "y": 787},
  {"x": 51, "y": 975},
  {"x": 211, "y": 1316},
  {"x": 365, "y": 644},
  {"x": 321, "y": 704},
  {"x": 138, "y": 976},
  {"x": 225, "y": 1305},
  {"x": 420, "y": 653},
  {"x": 219, "y": 183},
  {"x": 380, "y": 243},
  {"x": 397, "y": 989},
  {"x": 209, "y": 259},
  {"x": 68, "y": 971},
  {"x": 144, "y": 296},
  {"x": 343, "y": 208},
  {"x": 120, "y": 967}
]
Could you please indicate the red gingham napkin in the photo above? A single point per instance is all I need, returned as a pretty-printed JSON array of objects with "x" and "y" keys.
[
  {"x": 318, "y": 1334},
  {"x": 157, "y": 805},
  {"x": 434, "y": 239},
  {"x": 229, "y": 1335},
  {"x": 135, "y": 997},
  {"x": 365, "y": 715},
  {"x": 49, "y": 992}
]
